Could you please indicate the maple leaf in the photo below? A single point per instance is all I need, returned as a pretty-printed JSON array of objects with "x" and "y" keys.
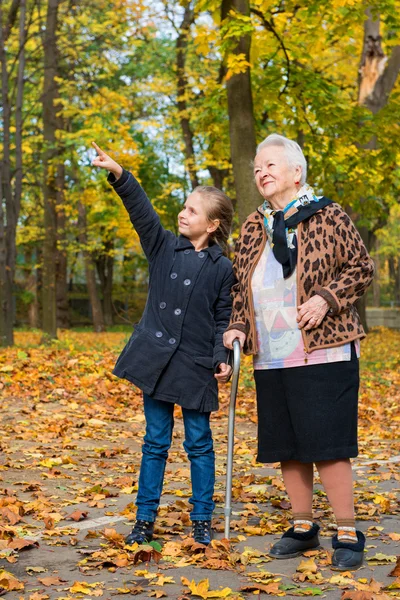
[
  {"x": 202, "y": 589},
  {"x": 307, "y": 566}
]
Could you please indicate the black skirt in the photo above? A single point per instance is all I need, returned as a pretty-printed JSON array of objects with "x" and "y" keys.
[{"x": 308, "y": 413}]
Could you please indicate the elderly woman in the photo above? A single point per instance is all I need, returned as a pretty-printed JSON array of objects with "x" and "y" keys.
[{"x": 300, "y": 266}]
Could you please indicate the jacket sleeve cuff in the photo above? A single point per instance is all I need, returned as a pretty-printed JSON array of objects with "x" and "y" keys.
[
  {"x": 116, "y": 183},
  {"x": 334, "y": 306},
  {"x": 220, "y": 357},
  {"x": 239, "y": 326}
]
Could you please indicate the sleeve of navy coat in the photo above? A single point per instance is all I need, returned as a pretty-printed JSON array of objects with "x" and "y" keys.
[
  {"x": 141, "y": 213},
  {"x": 222, "y": 314}
]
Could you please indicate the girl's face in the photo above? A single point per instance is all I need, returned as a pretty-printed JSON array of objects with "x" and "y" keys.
[
  {"x": 193, "y": 221},
  {"x": 273, "y": 175}
]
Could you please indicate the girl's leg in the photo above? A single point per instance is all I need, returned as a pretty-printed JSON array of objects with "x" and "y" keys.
[
  {"x": 199, "y": 447},
  {"x": 157, "y": 441}
]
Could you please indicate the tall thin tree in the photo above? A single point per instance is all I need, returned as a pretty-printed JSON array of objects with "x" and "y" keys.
[
  {"x": 50, "y": 125},
  {"x": 10, "y": 183},
  {"x": 241, "y": 117}
]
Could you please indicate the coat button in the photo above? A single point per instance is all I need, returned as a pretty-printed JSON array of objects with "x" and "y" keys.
[
  {"x": 177, "y": 311},
  {"x": 158, "y": 333},
  {"x": 172, "y": 340},
  {"x": 187, "y": 282},
  {"x": 163, "y": 305},
  {"x": 187, "y": 251},
  {"x": 174, "y": 275},
  {"x": 201, "y": 255}
]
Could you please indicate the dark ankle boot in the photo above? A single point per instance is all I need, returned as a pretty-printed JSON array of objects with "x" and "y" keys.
[
  {"x": 202, "y": 533},
  {"x": 141, "y": 533},
  {"x": 348, "y": 556},
  {"x": 293, "y": 544}
]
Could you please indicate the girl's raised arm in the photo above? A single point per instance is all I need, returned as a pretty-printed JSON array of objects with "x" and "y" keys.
[{"x": 141, "y": 212}]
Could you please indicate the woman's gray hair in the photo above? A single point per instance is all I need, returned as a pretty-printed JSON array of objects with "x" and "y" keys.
[{"x": 294, "y": 153}]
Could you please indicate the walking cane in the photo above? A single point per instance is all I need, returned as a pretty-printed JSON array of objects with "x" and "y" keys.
[{"x": 231, "y": 433}]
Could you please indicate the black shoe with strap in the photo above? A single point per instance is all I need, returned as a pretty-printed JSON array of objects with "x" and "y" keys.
[
  {"x": 202, "y": 532},
  {"x": 348, "y": 556},
  {"x": 141, "y": 533},
  {"x": 293, "y": 544}
]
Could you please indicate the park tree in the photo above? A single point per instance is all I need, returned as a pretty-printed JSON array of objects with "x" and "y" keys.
[{"x": 12, "y": 59}]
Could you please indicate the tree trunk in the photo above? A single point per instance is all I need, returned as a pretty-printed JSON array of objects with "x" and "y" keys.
[
  {"x": 6, "y": 314},
  {"x": 9, "y": 212},
  {"x": 32, "y": 289},
  {"x": 61, "y": 256},
  {"x": 377, "y": 77},
  {"x": 218, "y": 176},
  {"x": 105, "y": 270},
  {"x": 394, "y": 275},
  {"x": 97, "y": 311},
  {"x": 50, "y": 126},
  {"x": 182, "y": 90},
  {"x": 241, "y": 120}
]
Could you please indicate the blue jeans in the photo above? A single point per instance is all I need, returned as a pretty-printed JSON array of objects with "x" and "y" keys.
[{"x": 157, "y": 441}]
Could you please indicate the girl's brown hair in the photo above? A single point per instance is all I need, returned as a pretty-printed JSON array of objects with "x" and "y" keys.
[{"x": 219, "y": 206}]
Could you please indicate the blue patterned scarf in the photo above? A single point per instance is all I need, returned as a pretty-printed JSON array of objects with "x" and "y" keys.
[{"x": 281, "y": 225}]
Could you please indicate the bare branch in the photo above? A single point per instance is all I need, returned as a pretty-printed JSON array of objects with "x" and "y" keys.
[
  {"x": 12, "y": 17},
  {"x": 268, "y": 25}
]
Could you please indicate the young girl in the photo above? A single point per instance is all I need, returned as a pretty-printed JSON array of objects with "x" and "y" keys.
[{"x": 176, "y": 354}]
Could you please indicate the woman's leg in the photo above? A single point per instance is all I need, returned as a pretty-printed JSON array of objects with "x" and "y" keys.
[
  {"x": 199, "y": 447},
  {"x": 157, "y": 441},
  {"x": 298, "y": 480},
  {"x": 337, "y": 479}
]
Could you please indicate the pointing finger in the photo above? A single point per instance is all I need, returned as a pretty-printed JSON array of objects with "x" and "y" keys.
[{"x": 98, "y": 150}]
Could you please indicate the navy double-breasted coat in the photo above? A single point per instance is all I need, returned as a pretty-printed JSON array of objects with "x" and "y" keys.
[{"x": 177, "y": 346}]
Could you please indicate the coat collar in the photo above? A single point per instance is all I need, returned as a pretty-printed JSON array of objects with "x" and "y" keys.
[
  {"x": 215, "y": 251},
  {"x": 256, "y": 216}
]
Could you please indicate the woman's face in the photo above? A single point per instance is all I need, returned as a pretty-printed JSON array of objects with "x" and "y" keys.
[{"x": 273, "y": 174}]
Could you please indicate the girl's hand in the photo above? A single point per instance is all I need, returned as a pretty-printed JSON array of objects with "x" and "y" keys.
[
  {"x": 106, "y": 162},
  {"x": 312, "y": 312},
  {"x": 231, "y": 335},
  {"x": 225, "y": 371}
]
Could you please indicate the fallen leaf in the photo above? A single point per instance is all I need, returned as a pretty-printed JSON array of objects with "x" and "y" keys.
[
  {"x": 381, "y": 559},
  {"x": 396, "y": 571},
  {"x": 307, "y": 566},
  {"x": 9, "y": 582},
  {"x": 22, "y": 544},
  {"x": 78, "y": 515},
  {"x": 52, "y": 580},
  {"x": 83, "y": 587},
  {"x": 270, "y": 588}
]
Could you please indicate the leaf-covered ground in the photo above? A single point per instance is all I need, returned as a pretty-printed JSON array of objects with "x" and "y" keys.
[{"x": 69, "y": 459}]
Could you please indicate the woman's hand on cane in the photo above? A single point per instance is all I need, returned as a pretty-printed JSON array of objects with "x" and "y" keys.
[
  {"x": 231, "y": 335},
  {"x": 106, "y": 162}
]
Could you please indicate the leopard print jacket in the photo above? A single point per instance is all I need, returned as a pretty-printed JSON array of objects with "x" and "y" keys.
[{"x": 332, "y": 262}]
